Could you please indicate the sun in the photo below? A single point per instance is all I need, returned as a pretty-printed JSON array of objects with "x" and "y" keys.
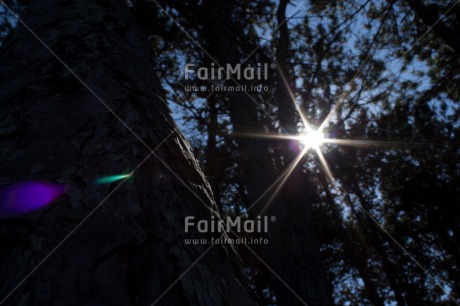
[{"x": 312, "y": 139}]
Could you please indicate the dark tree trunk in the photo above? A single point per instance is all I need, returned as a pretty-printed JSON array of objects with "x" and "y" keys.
[
  {"x": 357, "y": 259},
  {"x": 294, "y": 251},
  {"x": 403, "y": 292},
  {"x": 286, "y": 108},
  {"x": 53, "y": 129},
  {"x": 254, "y": 159}
]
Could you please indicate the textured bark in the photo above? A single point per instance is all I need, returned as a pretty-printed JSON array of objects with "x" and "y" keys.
[
  {"x": 212, "y": 155},
  {"x": 53, "y": 129}
]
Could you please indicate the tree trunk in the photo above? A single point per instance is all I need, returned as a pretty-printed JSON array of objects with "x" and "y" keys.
[
  {"x": 294, "y": 251},
  {"x": 398, "y": 284},
  {"x": 286, "y": 108},
  {"x": 53, "y": 129},
  {"x": 357, "y": 259}
]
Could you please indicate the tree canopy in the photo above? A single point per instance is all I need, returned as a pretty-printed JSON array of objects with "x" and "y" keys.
[{"x": 368, "y": 212}]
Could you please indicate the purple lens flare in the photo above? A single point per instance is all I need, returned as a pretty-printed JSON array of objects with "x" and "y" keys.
[{"x": 26, "y": 197}]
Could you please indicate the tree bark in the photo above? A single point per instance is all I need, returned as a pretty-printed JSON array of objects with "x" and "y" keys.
[{"x": 53, "y": 129}]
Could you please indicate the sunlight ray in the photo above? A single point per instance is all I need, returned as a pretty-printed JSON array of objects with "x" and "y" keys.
[
  {"x": 324, "y": 163},
  {"x": 368, "y": 143},
  {"x": 294, "y": 100},
  {"x": 331, "y": 113},
  {"x": 286, "y": 175},
  {"x": 264, "y": 135},
  {"x": 304, "y": 119}
]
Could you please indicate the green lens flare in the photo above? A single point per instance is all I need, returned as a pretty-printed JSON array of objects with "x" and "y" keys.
[{"x": 112, "y": 178}]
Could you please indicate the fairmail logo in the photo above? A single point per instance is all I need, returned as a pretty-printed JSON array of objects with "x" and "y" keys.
[
  {"x": 228, "y": 72},
  {"x": 228, "y": 224}
]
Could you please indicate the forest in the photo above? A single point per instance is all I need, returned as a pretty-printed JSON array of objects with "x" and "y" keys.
[{"x": 230, "y": 152}]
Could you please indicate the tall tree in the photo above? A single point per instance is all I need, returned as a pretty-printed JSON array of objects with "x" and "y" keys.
[{"x": 54, "y": 128}]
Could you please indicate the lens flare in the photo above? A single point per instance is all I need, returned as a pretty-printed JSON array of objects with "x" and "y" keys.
[
  {"x": 112, "y": 178},
  {"x": 312, "y": 139},
  {"x": 27, "y": 197}
]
